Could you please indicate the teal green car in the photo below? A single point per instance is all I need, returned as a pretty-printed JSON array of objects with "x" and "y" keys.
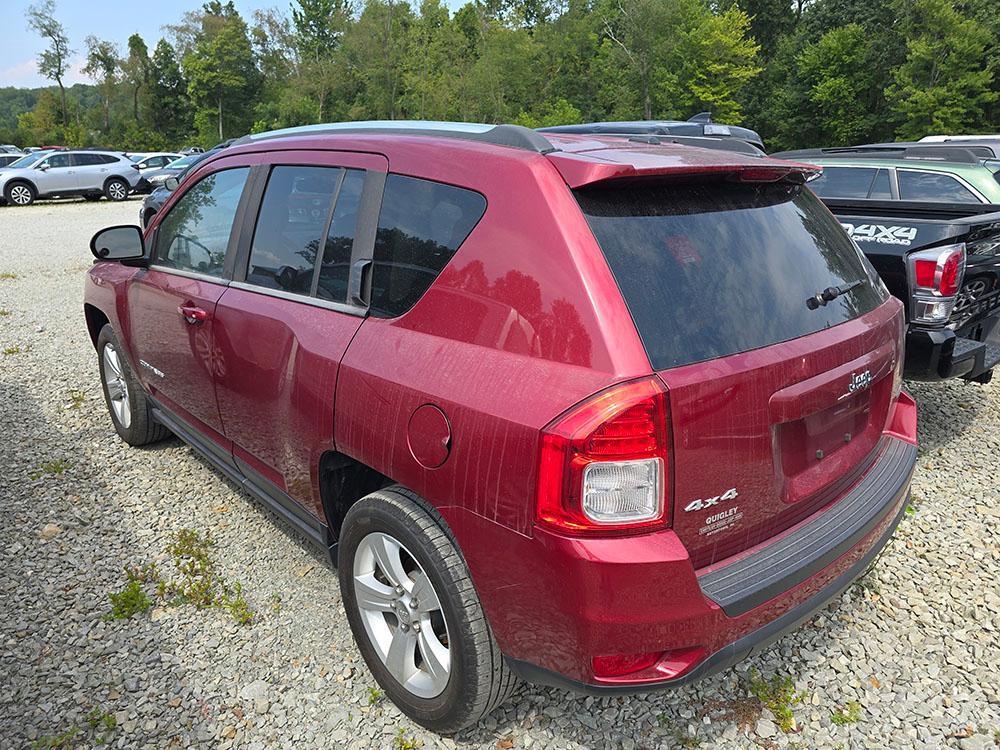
[{"x": 930, "y": 177}]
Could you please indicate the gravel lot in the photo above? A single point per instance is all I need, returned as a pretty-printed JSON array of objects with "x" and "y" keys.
[{"x": 909, "y": 656}]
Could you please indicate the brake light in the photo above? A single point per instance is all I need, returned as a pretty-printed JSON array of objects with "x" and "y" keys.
[
  {"x": 936, "y": 276},
  {"x": 603, "y": 465}
]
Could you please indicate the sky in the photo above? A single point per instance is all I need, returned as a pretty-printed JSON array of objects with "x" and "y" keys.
[{"x": 115, "y": 20}]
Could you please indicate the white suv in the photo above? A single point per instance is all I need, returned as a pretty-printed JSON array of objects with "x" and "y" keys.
[{"x": 68, "y": 173}]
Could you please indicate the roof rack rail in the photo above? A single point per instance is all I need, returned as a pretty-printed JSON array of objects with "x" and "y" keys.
[
  {"x": 699, "y": 141},
  {"x": 924, "y": 152},
  {"x": 513, "y": 136}
]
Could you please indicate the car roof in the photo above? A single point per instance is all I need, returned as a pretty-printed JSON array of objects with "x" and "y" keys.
[
  {"x": 695, "y": 126},
  {"x": 581, "y": 159}
]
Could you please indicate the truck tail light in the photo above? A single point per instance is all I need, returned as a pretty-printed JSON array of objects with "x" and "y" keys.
[
  {"x": 935, "y": 276},
  {"x": 603, "y": 464}
]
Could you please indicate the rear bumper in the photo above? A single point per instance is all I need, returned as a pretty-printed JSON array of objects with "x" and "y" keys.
[
  {"x": 641, "y": 595},
  {"x": 732, "y": 653},
  {"x": 934, "y": 354}
]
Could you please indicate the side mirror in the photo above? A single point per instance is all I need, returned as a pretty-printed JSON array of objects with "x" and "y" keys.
[
  {"x": 171, "y": 183},
  {"x": 118, "y": 243},
  {"x": 43, "y": 167}
]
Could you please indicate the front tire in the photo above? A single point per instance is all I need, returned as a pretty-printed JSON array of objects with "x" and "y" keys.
[
  {"x": 128, "y": 405},
  {"x": 19, "y": 194},
  {"x": 116, "y": 189},
  {"x": 415, "y": 614}
]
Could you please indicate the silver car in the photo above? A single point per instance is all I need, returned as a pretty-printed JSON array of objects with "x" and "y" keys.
[{"x": 59, "y": 174}]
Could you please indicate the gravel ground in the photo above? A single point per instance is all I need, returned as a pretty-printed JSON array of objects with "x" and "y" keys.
[{"x": 909, "y": 656}]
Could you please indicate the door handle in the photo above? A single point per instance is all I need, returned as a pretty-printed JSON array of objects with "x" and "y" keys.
[
  {"x": 193, "y": 315},
  {"x": 356, "y": 288}
]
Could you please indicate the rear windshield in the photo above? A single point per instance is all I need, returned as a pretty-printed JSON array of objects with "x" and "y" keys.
[{"x": 713, "y": 269}]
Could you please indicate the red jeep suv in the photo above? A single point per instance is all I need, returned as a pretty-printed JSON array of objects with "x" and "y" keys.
[{"x": 601, "y": 414}]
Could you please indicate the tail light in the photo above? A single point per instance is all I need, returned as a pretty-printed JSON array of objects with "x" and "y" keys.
[
  {"x": 935, "y": 276},
  {"x": 603, "y": 465}
]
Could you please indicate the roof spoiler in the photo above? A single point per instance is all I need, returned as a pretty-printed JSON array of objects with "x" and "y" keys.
[{"x": 579, "y": 172}]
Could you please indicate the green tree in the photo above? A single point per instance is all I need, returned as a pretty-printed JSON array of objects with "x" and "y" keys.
[
  {"x": 720, "y": 59},
  {"x": 102, "y": 65},
  {"x": 169, "y": 106},
  {"x": 222, "y": 77},
  {"x": 136, "y": 70},
  {"x": 53, "y": 60},
  {"x": 943, "y": 87},
  {"x": 374, "y": 48},
  {"x": 319, "y": 27}
]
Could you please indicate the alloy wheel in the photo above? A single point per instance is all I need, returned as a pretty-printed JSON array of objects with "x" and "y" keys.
[
  {"x": 117, "y": 191},
  {"x": 402, "y": 615},
  {"x": 20, "y": 195},
  {"x": 114, "y": 378}
]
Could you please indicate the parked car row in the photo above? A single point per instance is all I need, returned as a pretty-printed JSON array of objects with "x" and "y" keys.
[{"x": 601, "y": 412}]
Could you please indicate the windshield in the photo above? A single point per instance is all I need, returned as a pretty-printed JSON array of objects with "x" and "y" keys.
[
  {"x": 183, "y": 162},
  {"x": 27, "y": 161},
  {"x": 713, "y": 269}
]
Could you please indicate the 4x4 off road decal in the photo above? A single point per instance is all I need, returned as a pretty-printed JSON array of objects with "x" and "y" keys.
[{"x": 881, "y": 234}]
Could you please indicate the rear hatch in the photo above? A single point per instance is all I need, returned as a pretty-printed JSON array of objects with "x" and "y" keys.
[{"x": 777, "y": 404}]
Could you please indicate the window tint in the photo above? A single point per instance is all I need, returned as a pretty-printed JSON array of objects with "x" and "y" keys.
[
  {"x": 292, "y": 218},
  {"x": 59, "y": 160},
  {"x": 195, "y": 234},
  {"x": 880, "y": 187},
  {"x": 336, "y": 263},
  {"x": 843, "y": 182},
  {"x": 932, "y": 186},
  {"x": 714, "y": 269},
  {"x": 420, "y": 227}
]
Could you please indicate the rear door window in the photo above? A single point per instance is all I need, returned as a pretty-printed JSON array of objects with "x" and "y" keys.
[
  {"x": 844, "y": 182},
  {"x": 915, "y": 185},
  {"x": 336, "y": 262},
  {"x": 421, "y": 225},
  {"x": 713, "y": 269},
  {"x": 291, "y": 221}
]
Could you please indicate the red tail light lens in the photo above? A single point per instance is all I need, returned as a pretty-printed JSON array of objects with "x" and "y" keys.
[
  {"x": 936, "y": 276},
  {"x": 603, "y": 465}
]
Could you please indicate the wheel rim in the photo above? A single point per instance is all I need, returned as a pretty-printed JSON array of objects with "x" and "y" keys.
[
  {"x": 114, "y": 379},
  {"x": 117, "y": 191},
  {"x": 20, "y": 195},
  {"x": 402, "y": 615}
]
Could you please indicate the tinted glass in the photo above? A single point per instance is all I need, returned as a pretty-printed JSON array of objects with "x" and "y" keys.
[
  {"x": 932, "y": 186},
  {"x": 336, "y": 264},
  {"x": 713, "y": 269},
  {"x": 420, "y": 227},
  {"x": 90, "y": 160},
  {"x": 292, "y": 218},
  {"x": 26, "y": 161},
  {"x": 59, "y": 160},
  {"x": 195, "y": 234},
  {"x": 880, "y": 189},
  {"x": 843, "y": 182}
]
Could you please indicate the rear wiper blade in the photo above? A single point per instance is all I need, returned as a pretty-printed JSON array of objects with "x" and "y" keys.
[{"x": 831, "y": 293}]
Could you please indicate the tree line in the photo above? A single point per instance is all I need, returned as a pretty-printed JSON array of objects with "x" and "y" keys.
[{"x": 801, "y": 72}]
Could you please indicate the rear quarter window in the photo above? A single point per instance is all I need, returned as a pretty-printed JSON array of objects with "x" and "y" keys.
[
  {"x": 844, "y": 182},
  {"x": 712, "y": 269},
  {"x": 421, "y": 225},
  {"x": 932, "y": 186}
]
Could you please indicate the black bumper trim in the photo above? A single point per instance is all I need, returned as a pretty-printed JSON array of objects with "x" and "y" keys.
[
  {"x": 731, "y": 654},
  {"x": 777, "y": 567}
]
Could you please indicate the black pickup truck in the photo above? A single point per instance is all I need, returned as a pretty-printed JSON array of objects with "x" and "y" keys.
[{"x": 943, "y": 262}]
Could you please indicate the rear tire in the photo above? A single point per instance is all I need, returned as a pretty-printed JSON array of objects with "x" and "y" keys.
[
  {"x": 19, "y": 194},
  {"x": 448, "y": 634},
  {"x": 129, "y": 407},
  {"x": 116, "y": 189}
]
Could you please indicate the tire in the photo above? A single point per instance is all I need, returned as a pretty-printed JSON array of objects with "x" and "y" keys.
[
  {"x": 20, "y": 193},
  {"x": 127, "y": 403},
  {"x": 116, "y": 189},
  {"x": 147, "y": 217},
  {"x": 477, "y": 679}
]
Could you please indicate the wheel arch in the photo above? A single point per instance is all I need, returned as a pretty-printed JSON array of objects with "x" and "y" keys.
[
  {"x": 117, "y": 177},
  {"x": 22, "y": 181},
  {"x": 96, "y": 320},
  {"x": 343, "y": 481}
]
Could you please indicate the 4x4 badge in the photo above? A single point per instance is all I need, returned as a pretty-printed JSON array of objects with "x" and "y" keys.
[{"x": 730, "y": 494}]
